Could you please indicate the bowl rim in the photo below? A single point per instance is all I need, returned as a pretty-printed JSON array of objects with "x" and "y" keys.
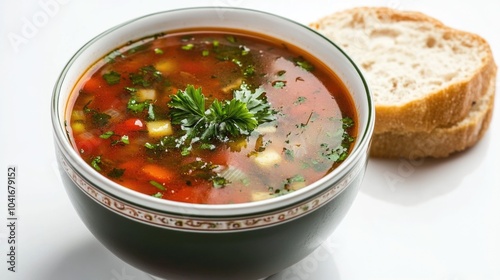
[{"x": 190, "y": 209}]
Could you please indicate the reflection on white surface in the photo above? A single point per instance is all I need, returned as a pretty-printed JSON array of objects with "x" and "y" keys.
[
  {"x": 414, "y": 182},
  {"x": 90, "y": 260},
  {"x": 318, "y": 265}
]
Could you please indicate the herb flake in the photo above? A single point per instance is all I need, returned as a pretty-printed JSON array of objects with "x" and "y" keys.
[{"x": 112, "y": 78}]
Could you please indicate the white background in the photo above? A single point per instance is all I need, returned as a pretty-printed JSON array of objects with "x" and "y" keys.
[{"x": 432, "y": 219}]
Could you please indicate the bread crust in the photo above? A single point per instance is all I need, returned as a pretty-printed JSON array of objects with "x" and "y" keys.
[
  {"x": 439, "y": 108},
  {"x": 442, "y": 141}
]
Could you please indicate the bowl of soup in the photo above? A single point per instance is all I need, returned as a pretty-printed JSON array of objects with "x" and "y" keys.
[{"x": 211, "y": 143}]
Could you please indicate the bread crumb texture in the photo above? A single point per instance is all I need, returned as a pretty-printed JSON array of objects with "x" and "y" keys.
[{"x": 422, "y": 74}]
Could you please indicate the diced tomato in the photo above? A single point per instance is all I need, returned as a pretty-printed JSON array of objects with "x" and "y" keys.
[
  {"x": 219, "y": 157},
  {"x": 92, "y": 85},
  {"x": 130, "y": 125},
  {"x": 87, "y": 143}
]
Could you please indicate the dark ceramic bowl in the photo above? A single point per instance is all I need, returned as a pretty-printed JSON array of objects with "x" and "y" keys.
[{"x": 176, "y": 240}]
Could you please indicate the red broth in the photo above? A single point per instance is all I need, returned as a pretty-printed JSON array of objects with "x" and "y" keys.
[{"x": 122, "y": 117}]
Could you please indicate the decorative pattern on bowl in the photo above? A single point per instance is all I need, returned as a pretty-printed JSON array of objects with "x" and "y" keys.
[{"x": 209, "y": 224}]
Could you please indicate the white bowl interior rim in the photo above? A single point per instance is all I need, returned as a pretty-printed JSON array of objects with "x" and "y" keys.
[{"x": 218, "y": 17}]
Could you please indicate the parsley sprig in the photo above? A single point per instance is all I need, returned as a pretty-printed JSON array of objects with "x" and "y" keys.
[{"x": 222, "y": 120}]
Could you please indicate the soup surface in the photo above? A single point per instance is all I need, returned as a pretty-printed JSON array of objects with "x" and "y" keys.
[{"x": 212, "y": 117}]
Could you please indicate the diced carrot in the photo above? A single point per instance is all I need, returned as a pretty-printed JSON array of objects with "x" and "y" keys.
[
  {"x": 157, "y": 172},
  {"x": 130, "y": 165},
  {"x": 87, "y": 143}
]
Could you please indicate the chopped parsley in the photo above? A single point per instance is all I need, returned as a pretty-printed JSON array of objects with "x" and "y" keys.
[
  {"x": 294, "y": 179},
  {"x": 121, "y": 139},
  {"x": 231, "y": 39},
  {"x": 279, "y": 84},
  {"x": 112, "y": 78},
  {"x": 116, "y": 172},
  {"x": 147, "y": 76},
  {"x": 187, "y": 47},
  {"x": 200, "y": 169},
  {"x": 347, "y": 122},
  {"x": 138, "y": 107},
  {"x": 106, "y": 134},
  {"x": 289, "y": 154},
  {"x": 249, "y": 71},
  {"x": 340, "y": 152},
  {"x": 300, "y": 100},
  {"x": 219, "y": 181},
  {"x": 124, "y": 139},
  {"x": 304, "y": 64},
  {"x": 98, "y": 119},
  {"x": 165, "y": 145},
  {"x": 96, "y": 161},
  {"x": 135, "y": 106},
  {"x": 157, "y": 185},
  {"x": 222, "y": 120},
  {"x": 157, "y": 195}
]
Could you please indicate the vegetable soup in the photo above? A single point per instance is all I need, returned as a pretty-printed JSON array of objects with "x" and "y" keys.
[{"x": 211, "y": 116}]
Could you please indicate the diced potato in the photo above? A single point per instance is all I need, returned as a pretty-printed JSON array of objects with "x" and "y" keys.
[
  {"x": 256, "y": 196},
  {"x": 145, "y": 94},
  {"x": 266, "y": 129},
  {"x": 234, "y": 85},
  {"x": 78, "y": 127},
  {"x": 159, "y": 128},
  {"x": 77, "y": 115},
  {"x": 268, "y": 158},
  {"x": 166, "y": 66},
  {"x": 297, "y": 185}
]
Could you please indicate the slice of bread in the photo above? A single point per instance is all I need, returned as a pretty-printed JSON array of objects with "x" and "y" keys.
[
  {"x": 441, "y": 141},
  {"x": 422, "y": 74}
]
